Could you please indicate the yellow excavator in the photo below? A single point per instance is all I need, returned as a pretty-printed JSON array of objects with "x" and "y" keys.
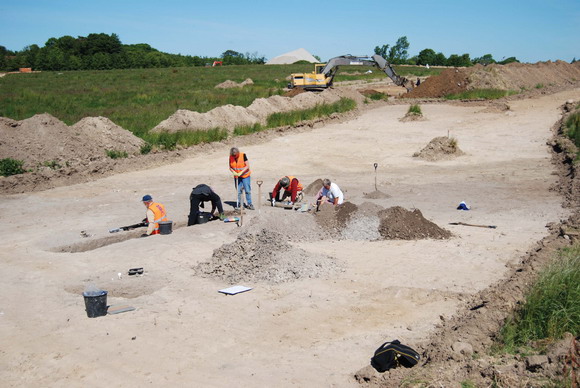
[{"x": 324, "y": 73}]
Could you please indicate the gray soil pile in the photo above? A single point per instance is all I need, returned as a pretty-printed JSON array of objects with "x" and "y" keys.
[
  {"x": 313, "y": 188},
  {"x": 294, "y": 225},
  {"x": 265, "y": 256},
  {"x": 233, "y": 84},
  {"x": 412, "y": 117},
  {"x": 364, "y": 223},
  {"x": 333, "y": 219},
  {"x": 230, "y": 116},
  {"x": 440, "y": 148},
  {"x": 45, "y": 140},
  {"x": 397, "y": 223}
]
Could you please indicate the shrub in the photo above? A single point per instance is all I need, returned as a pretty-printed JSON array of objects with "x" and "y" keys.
[
  {"x": 415, "y": 110},
  {"x": 114, "y": 154},
  {"x": 146, "y": 148},
  {"x": 573, "y": 128},
  {"x": 10, "y": 166},
  {"x": 552, "y": 306}
]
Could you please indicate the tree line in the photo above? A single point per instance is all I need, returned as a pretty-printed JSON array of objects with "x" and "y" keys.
[
  {"x": 103, "y": 52},
  {"x": 398, "y": 54}
]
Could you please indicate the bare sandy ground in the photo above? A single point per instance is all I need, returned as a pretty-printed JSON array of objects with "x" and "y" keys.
[{"x": 314, "y": 332}]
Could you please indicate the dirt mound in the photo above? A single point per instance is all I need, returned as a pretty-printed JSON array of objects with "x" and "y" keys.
[
  {"x": 43, "y": 140},
  {"x": 440, "y": 148},
  {"x": 313, "y": 188},
  {"x": 517, "y": 76},
  {"x": 265, "y": 256},
  {"x": 232, "y": 84},
  {"x": 397, "y": 223},
  {"x": 513, "y": 76},
  {"x": 230, "y": 116},
  {"x": 333, "y": 219},
  {"x": 450, "y": 81},
  {"x": 364, "y": 223},
  {"x": 294, "y": 92}
]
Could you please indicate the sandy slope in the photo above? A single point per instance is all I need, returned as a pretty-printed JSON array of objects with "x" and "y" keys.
[{"x": 314, "y": 332}]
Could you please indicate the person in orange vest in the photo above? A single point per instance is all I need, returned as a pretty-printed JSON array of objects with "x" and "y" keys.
[
  {"x": 292, "y": 188},
  {"x": 155, "y": 214},
  {"x": 240, "y": 168}
]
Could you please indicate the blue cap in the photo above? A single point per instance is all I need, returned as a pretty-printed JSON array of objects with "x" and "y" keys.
[{"x": 147, "y": 198}]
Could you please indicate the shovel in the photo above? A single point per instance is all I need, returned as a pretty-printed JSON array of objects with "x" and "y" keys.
[{"x": 477, "y": 226}]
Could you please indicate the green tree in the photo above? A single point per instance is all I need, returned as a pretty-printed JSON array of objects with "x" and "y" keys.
[
  {"x": 508, "y": 60},
  {"x": 484, "y": 60},
  {"x": 426, "y": 57},
  {"x": 399, "y": 53},
  {"x": 440, "y": 60},
  {"x": 382, "y": 50}
]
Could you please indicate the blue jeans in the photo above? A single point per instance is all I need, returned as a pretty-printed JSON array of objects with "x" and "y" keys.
[{"x": 244, "y": 184}]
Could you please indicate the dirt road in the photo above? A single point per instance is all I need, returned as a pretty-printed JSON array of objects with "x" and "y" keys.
[{"x": 310, "y": 332}]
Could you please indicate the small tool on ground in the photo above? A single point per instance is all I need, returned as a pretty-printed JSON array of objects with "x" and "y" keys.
[
  {"x": 375, "y": 166},
  {"x": 129, "y": 227},
  {"x": 259, "y": 194},
  {"x": 478, "y": 226}
]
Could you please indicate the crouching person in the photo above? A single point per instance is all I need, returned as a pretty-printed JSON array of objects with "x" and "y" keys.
[{"x": 200, "y": 194}]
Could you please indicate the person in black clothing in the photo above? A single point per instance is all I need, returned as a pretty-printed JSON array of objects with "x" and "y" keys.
[{"x": 200, "y": 194}]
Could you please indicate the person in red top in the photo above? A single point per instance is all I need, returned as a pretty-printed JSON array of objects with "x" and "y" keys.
[
  {"x": 292, "y": 188},
  {"x": 240, "y": 168}
]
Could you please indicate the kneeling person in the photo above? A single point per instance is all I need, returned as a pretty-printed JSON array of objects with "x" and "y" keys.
[
  {"x": 292, "y": 188},
  {"x": 200, "y": 194},
  {"x": 330, "y": 192},
  {"x": 155, "y": 214}
]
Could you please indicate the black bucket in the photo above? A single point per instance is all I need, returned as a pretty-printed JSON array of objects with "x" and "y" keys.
[
  {"x": 203, "y": 217},
  {"x": 165, "y": 227},
  {"x": 95, "y": 303}
]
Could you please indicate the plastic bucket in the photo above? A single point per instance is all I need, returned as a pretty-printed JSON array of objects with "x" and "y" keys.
[
  {"x": 165, "y": 227},
  {"x": 203, "y": 217},
  {"x": 95, "y": 303}
]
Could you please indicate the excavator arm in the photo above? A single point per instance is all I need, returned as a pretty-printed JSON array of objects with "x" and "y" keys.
[{"x": 315, "y": 81}]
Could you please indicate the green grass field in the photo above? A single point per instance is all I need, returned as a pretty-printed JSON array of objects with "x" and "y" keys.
[{"x": 140, "y": 99}]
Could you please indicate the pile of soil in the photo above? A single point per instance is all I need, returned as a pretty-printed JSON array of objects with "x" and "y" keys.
[
  {"x": 45, "y": 140},
  {"x": 364, "y": 223},
  {"x": 265, "y": 256},
  {"x": 333, "y": 219},
  {"x": 440, "y": 148},
  {"x": 397, "y": 223},
  {"x": 232, "y": 84},
  {"x": 450, "y": 81},
  {"x": 294, "y": 92},
  {"x": 230, "y": 116},
  {"x": 513, "y": 76},
  {"x": 313, "y": 188}
]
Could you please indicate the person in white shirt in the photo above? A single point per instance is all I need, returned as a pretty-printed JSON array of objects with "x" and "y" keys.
[{"x": 330, "y": 192}]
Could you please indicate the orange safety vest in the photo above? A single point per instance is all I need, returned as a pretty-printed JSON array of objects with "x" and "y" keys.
[
  {"x": 159, "y": 215},
  {"x": 299, "y": 188},
  {"x": 239, "y": 165}
]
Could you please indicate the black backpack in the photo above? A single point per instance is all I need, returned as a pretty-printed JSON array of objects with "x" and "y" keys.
[{"x": 392, "y": 354}]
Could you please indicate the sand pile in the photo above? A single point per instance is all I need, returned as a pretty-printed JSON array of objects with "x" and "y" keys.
[
  {"x": 230, "y": 116},
  {"x": 363, "y": 224},
  {"x": 513, "y": 76},
  {"x": 232, "y": 84},
  {"x": 265, "y": 256},
  {"x": 450, "y": 81},
  {"x": 294, "y": 225},
  {"x": 333, "y": 219},
  {"x": 43, "y": 139},
  {"x": 440, "y": 148},
  {"x": 397, "y": 223},
  {"x": 516, "y": 76},
  {"x": 313, "y": 188}
]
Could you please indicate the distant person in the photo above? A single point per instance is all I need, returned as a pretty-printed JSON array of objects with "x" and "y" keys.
[
  {"x": 329, "y": 193},
  {"x": 292, "y": 188},
  {"x": 155, "y": 214},
  {"x": 240, "y": 167},
  {"x": 418, "y": 82},
  {"x": 200, "y": 194}
]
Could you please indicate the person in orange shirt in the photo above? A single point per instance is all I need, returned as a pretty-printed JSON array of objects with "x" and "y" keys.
[
  {"x": 155, "y": 214},
  {"x": 292, "y": 188},
  {"x": 240, "y": 168}
]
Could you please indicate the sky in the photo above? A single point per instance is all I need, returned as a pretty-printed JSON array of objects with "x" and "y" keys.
[{"x": 530, "y": 30}]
